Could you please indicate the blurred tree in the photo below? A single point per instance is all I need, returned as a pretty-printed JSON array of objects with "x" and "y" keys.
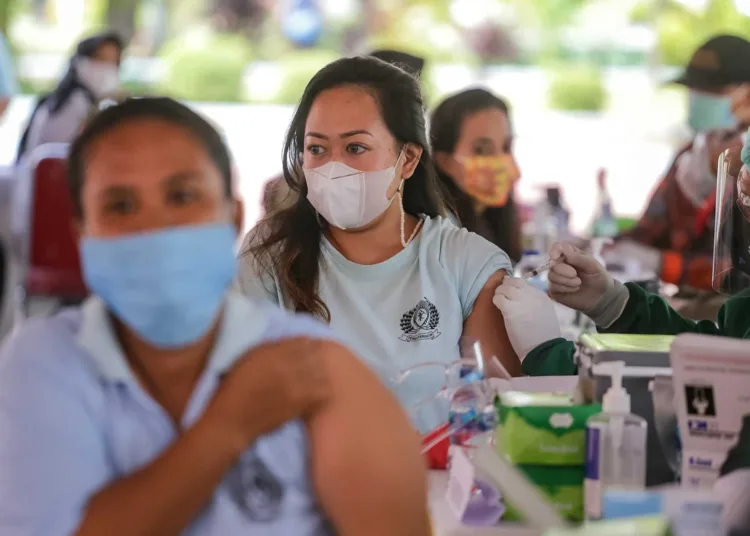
[
  {"x": 39, "y": 8},
  {"x": 355, "y": 37},
  {"x": 550, "y": 17},
  {"x": 493, "y": 44},
  {"x": 211, "y": 69},
  {"x": 120, "y": 17},
  {"x": 641, "y": 13},
  {"x": 578, "y": 88},
  {"x": 239, "y": 16},
  {"x": 298, "y": 68},
  {"x": 440, "y": 9},
  {"x": 681, "y": 29},
  {"x": 6, "y": 10},
  {"x": 407, "y": 27}
]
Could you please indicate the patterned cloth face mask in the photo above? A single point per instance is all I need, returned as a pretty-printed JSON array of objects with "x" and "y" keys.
[{"x": 489, "y": 179}]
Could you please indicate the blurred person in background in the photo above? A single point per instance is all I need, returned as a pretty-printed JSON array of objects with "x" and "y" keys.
[
  {"x": 8, "y": 81},
  {"x": 472, "y": 143},
  {"x": 579, "y": 281},
  {"x": 167, "y": 403},
  {"x": 93, "y": 74},
  {"x": 366, "y": 245},
  {"x": 674, "y": 237},
  {"x": 276, "y": 193}
]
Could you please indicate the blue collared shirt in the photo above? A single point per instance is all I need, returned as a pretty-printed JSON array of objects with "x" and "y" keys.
[{"x": 73, "y": 419}]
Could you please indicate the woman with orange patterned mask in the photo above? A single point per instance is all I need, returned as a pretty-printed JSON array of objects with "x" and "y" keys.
[{"x": 472, "y": 140}]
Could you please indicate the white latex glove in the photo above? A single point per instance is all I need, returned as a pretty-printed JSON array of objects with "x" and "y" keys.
[
  {"x": 529, "y": 314},
  {"x": 648, "y": 258},
  {"x": 734, "y": 491},
  {"x": 578, "y": 281}
]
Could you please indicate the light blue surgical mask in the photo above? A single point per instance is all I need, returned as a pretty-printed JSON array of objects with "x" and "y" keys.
[
  {"x": 166, "y": 285},
  {"x": 706, "y": 111}
]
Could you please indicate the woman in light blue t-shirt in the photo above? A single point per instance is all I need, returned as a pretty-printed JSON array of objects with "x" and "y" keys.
[{"x": 367, "y": 245}]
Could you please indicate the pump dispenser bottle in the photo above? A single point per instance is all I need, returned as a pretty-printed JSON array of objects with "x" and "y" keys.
[{"x": 615, "y": 444}]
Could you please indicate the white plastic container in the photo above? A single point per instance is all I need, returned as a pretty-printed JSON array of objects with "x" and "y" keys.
[{"x": 615, "y": 445}]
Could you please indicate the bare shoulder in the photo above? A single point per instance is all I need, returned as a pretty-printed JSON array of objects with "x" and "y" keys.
[
  {"x": 495, "y": 280},
  {"x": 346, "y": 370}
]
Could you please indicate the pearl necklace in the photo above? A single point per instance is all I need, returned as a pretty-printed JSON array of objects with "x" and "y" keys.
[{"x": 405, "y": 242}]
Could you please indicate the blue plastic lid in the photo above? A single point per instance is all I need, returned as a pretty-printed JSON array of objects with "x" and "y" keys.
[{"x": 530, "y": 252}]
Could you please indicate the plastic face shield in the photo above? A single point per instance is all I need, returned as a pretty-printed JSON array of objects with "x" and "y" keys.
[
  {"x": 426, "y": 390},
  {"x": 731, "y": 259}
]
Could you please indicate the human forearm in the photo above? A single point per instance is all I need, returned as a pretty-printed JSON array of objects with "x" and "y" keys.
[
  {"x": 555, "y": 357},
  {"x": 367, "y": 468},
  {"x": 163, "y": 498},
  {"x": 649, "y": 314}
]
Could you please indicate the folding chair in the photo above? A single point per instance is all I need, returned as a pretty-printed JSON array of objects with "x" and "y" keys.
[{"x": 52, "y": 275}]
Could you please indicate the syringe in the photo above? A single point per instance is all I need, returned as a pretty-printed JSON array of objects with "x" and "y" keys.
[{"x": 540, "y": 269}]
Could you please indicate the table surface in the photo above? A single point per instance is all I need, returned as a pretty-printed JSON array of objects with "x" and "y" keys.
[{"x": 444, "y": 522}]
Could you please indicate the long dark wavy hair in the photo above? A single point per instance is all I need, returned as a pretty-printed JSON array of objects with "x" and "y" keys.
[
  {"x": 287, "y": 243},
  {"x": 500, "y": 223}
]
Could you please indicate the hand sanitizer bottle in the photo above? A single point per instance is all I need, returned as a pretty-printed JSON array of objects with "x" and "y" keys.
[{"x": 615, "y": 444}]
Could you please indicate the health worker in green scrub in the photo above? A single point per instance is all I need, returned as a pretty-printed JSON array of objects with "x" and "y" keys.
[
  {"x": 578, "y": 281},
  {"x": 581, "y": 283}
]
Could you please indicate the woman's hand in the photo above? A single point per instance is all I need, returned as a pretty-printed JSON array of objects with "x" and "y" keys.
[{"x": 273, "y": 384}]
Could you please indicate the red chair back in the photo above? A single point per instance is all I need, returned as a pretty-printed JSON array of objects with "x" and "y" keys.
[{"x": 54, "y": 266}]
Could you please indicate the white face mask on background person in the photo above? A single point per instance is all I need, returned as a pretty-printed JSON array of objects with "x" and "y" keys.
[
  {"x": 349, "y": 198},
  {"x": 101, "y": 78}
]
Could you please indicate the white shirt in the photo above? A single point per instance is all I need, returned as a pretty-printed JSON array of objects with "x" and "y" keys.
[{"x": 63, "y": 125}]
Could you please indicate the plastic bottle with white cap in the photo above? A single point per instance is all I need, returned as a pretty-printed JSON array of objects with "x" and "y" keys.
[{"x": 615, "y": 444}]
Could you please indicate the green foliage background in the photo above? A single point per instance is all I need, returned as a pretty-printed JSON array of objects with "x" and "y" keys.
[{"x": 215, "y": 72}]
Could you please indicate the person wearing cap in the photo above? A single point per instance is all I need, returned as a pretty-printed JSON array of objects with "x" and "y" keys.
[
  {"x": 276, "y": 193},
  {"x": 674, "y": 237},
  {"x": 580, "y": 282}
]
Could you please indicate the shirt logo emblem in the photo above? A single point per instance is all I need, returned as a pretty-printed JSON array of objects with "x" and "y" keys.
[
  {"x": 420, "y": 323},
  {"x": 255, "y": 489}
]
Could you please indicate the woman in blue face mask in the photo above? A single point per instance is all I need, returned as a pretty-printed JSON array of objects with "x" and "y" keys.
[{"x": 167, "y": 404}]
